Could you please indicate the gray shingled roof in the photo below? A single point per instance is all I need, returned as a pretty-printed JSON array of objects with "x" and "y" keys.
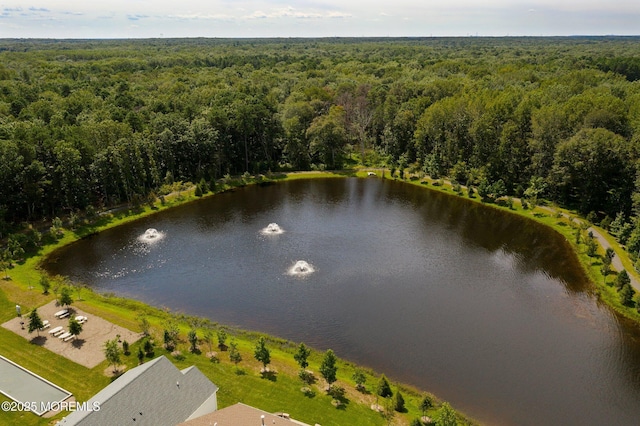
[{"x": 155, "y": 393}]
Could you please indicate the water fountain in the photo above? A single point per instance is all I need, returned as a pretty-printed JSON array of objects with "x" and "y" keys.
[
  {"x": 272, "y": 229},
  {"x": 151, "y": 235},
  {"x": 301, "y": 268}
]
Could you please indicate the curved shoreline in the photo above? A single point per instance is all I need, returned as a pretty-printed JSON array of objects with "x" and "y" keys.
[
  {"x": 124, "y": 311},
  {"x": 129, "y": 216}
]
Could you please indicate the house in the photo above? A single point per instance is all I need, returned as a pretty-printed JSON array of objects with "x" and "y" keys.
[
  {"x": 242, "y": 415},
  {"x": 155, "y": 393}
]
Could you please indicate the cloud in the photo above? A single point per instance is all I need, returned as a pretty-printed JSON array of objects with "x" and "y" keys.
[
  {"x": 291, "y": 12},
  {"x": 201, "y": 16},
  {"x": 136, "y": 17}
]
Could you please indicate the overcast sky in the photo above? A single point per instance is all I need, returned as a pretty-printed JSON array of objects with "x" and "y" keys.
[{"x": 316, "y": 18}]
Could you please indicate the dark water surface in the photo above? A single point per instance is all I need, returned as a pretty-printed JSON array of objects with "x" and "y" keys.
[{"x": 487, "y": 310}]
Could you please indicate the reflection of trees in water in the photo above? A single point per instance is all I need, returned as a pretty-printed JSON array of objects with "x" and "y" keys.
[{"x": 535, "y": 247}]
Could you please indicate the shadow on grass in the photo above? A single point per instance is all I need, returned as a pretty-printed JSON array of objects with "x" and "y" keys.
[
  {"x": 363, "y": 390},
  {"x": 340, "y": 400},
  {"x": 39, "y": 340},
  {"x": 240, "y": 372},
  {"x": 308, "y": 392},
  {"x": 269, "y": 375}
]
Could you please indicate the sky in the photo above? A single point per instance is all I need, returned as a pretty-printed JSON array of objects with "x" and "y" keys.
[{"x": 315, "y": 18}]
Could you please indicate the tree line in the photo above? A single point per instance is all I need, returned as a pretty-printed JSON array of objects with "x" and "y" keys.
[{"x": 92, "y": 124}]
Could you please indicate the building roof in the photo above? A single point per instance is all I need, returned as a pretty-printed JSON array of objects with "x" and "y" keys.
[
  {"x": 155, "y": 393},
  {"x": 241, "y": 415}
]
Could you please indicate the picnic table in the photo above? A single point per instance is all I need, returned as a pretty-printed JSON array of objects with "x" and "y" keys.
[
  {"x": 59, "y": 314},
  {"x": 64, "y": 336},
  {"x": 55, "y": 330}
]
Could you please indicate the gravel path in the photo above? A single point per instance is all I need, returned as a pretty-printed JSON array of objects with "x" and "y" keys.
[{"x": 616, "y": 263}]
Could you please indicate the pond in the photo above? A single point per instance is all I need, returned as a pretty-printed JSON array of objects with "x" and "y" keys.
[{"x": 485, "y": 309}]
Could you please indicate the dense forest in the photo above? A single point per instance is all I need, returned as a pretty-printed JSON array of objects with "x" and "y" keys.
[{"x": 88, "y": 124}]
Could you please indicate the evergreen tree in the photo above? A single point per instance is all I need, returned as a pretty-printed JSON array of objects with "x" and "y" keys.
[
  {"x": 35, "y": 322},
  {"x": 384, "y": 389},
  {"x": 148, "y": 347},
  {"x": 398, "y": 402},
  {"x": 626, "y": 295},
  {"x": 622, "y": 279},
  {"x": 140, "y": 355}
]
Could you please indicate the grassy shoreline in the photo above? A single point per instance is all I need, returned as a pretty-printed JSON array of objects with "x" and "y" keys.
[
  {"x": 244, "y": 385},
  {"x": 23, "y": 289}
]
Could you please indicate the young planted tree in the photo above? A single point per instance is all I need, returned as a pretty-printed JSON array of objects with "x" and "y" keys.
[
  {"x": 384, "y": 389},
  {"x": 425, "y": 404},
  {"x": 262, "y": 354},
  {"x": 626, "y": 295},
  {"x": 207, "y": 338},
  {"x": 328, "y": 367},
  {"x": 112, "y": 353},
  {"x": 622, "y": 279},
  {"x": 169, "y": 341},
  {"x": 234, "y": 354},
  {"x": 193, "y": 340},
  {"x": 608, "y": 256},
  {"x": 446, "y": 416},
  {"x": 75, "y": 328},
  {"x": 140, "y": 355},
  {"x": 144, "y": 325},
  {"x": 222, "y": 338},
  {"x": 398, "y": 402},
  {"x": 170, "y": 335},
  {"x": 605, "y": 269},
  {"x": 45, "y": 284},
  {"x": 35, "y": 322},
  {"x": 360, "y": 378},
  {"x": 125, "y": 347},
  {"x": 592, "y": 245},
  {"x": 65, "y": 296},
  {"x": 148, "y": 347},
  {"x": 302, "y": 355}
]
